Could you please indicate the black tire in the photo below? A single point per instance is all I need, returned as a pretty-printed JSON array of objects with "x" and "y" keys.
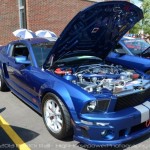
[
  {"x": 3, "y": 86},
  {"x": 66, "y": 130}
]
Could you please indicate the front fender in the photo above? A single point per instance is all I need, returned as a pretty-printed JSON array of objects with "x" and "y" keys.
[
  {"x": 133, "y": 62},
  {"x": 60, "y": 91},
  {"x": 72, "y": 98}
]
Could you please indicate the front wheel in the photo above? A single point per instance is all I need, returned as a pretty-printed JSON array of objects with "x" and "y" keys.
[{"x": 56, "y": 117}]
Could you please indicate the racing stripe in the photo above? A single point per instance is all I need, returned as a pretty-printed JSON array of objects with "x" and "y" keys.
[
  {"x": 147, "y": 104},
  {"x": 144, "y": 112}
]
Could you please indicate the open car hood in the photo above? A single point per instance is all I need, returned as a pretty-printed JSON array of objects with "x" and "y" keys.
[{"x": 96, "y": 30}]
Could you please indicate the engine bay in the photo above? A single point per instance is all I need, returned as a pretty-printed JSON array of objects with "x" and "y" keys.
[{"x": 95, "y": 78}]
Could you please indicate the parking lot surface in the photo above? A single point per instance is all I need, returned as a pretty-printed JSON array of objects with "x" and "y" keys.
[{"x": 29, "y": 127}]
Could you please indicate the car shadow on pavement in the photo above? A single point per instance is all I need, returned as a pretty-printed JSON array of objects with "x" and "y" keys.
[
  {"x": 2, "y": 109},
  {"x": 131, "y": 144},
  {"x": 25, "y": 134}
]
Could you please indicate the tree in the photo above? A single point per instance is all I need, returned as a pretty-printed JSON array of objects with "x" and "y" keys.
[
  {"x": 144, "y": 24},
  {"x": 146, "y": 12}
]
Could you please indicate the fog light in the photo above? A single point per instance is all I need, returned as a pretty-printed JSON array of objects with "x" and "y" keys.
[
  {"x": 104, "y": 133},
  {"x": 107, "y": 134}
]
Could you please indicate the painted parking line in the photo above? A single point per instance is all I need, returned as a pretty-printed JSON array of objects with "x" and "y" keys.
[{"x": 13, "y": 135}]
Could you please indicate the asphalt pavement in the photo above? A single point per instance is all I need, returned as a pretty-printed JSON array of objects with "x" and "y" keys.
[{"x": 29, "y": 126}]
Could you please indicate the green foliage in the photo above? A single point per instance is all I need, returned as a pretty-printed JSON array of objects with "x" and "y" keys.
[{"x": 144, "y": 24}]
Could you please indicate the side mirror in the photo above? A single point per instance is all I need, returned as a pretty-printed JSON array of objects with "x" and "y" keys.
[{"x": 22, "y": 60}]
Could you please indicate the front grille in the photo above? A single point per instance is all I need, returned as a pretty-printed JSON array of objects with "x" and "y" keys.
[
  {"x": 132, "y": 99},
  {"x": 138, "y": 127},
  {"x": 102, "y": 105}
]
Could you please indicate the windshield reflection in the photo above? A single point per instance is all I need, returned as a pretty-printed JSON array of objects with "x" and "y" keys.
[
  {"x": 41, "y": 52},
  {"x": 136, "y": 46}
]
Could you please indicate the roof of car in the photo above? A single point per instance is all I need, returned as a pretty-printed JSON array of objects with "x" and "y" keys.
[{"x": 36, "y": 40}]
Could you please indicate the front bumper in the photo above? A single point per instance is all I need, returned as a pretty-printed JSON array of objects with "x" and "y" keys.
[{"x": 111, "y": 128}]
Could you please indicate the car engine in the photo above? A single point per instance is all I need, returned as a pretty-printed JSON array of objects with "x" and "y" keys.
[{"x": 97, "y": 77}]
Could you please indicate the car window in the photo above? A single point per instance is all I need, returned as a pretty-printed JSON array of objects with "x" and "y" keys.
[
  {"x": 17, "y": 50},
  {"x": 41, "y": 52},
  {"x": 136, "y": 46}
]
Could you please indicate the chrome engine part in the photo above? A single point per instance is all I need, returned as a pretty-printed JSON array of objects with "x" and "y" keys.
[
  {"x": 95, "y": 78},
  {"x": 113, "y": 78}
]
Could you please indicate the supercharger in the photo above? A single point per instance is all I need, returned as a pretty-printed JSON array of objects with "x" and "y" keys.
[{"x": 97, "y": 77}]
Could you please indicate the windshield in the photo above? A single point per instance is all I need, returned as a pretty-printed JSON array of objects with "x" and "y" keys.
[
  {"x": 41, "y": 51},
  {"x": 136, "y": 46}
]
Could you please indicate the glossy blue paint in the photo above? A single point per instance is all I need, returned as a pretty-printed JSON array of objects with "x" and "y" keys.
[
  {"x": 32, "y": 82},
  {"x": 128, "y": 59}
]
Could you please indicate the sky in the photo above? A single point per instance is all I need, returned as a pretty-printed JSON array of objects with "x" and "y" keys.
[{"x": 136, "y": 2}]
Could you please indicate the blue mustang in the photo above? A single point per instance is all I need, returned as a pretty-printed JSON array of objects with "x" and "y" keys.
[
  {"x": 71, "y": 85},
  {"x": 127, "y": 52}
]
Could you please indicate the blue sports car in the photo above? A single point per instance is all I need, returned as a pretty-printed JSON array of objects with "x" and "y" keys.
[
  {"x": 127, "y": 52},
  {"x": 72, "y": 86}
]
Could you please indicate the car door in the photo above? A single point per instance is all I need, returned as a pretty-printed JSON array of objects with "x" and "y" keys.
[{"x": 19, "y": 73}]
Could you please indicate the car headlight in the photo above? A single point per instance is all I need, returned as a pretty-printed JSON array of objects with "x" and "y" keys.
[
  {"x": 91, "y": 106},
  {"x": 96, "y": 105}
]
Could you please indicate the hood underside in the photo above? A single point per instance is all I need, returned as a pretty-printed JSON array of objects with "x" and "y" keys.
[{"x": 96, "y": 29}]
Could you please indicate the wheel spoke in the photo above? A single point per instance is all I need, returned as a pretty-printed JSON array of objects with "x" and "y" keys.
[
  {"x": 57, "y": 110},
  {"x": 55, "y": 126},
  {"x": 53, "y": 106},
  {"x": 59, "y": 125},
  {"x": 59, "y": 120},
  {"x": 50, "y": 111},
  {"x": 53, "y": 116},
  {"x": 49, "y": 105},
  {"x": 46, "y": 114},
  {"x": 48, "y": 121}
]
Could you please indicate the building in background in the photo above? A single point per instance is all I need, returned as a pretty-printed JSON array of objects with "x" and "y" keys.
[{"x": 37, "y": 14}]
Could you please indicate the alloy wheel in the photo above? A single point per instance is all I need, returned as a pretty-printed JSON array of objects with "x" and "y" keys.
[{"x": 53, "y": 116}]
